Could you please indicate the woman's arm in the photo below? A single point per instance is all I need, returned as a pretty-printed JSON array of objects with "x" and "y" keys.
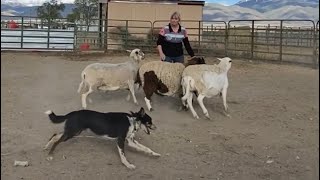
[
  {"x": 188, "y": 47},
  {"x": 187, "y": 44},
  {"x": 159, "y": 47}
]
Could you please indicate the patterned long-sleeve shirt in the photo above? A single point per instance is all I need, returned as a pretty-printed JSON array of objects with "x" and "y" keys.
[{"x": 171, "y": 42}]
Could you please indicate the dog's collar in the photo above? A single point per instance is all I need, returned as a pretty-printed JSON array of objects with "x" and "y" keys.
[{"x": 134, "y": 123}]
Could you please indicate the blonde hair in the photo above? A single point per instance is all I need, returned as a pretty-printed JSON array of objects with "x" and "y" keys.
[{"x": 175, "y": 14}]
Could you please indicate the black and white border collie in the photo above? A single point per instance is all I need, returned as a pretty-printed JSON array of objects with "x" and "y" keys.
[{"x": 119, "y": 125}]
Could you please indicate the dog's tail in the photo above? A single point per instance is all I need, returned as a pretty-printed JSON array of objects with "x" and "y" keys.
[
  {"x": 54, "y": 118},
  {"x": 186, "y": 82}
]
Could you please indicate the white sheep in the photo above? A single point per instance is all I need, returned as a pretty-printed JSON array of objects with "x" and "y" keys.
[
  {"x": 163, "y": 78},
  {"x": 206, "y": 81},
  {"x": 111, "y": 77}
]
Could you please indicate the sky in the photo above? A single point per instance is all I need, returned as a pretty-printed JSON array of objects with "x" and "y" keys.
[{"x": 37, "y": 2}]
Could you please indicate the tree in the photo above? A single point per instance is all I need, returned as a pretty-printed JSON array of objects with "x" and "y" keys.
[
  {"x": 88, "y": 10},
  {"x": 74, "y": 16},
  {"x": 50, "y": 10}
]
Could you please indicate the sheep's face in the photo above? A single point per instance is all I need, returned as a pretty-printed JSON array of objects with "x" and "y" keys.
[
  {"x": 195, "y": 60},
  {"x": 136, "y": 54},
  {"x": 225, "y": 62}
]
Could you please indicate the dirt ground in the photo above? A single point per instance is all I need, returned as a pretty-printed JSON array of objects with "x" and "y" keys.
[{"x": 273, "y": 132}]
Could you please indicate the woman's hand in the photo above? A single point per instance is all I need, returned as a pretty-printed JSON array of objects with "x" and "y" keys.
[{"x": 162, "y": 56}]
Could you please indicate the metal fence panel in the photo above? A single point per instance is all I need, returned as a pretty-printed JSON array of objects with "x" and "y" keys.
[
  {"x": 297, "y": 41},
  {"x": 129, "y": 34},
  {"x": 275, "y": 40},
  {"x": 280, "y": 40},
  {"x": 31, "y": 33}
]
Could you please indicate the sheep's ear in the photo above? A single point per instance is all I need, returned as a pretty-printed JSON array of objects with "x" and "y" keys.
[
  {"x": 202, "y": 60},
  {"x": 128, "y": 51},
  {"x": 219, "y": 59}
]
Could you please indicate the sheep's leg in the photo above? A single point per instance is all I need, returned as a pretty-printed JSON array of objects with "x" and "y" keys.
[
  {"x": 224, "y": 99},
  {"x": 184, "y": 103},
  {"x": 148, "y": 103},
  {"x": 148, "y": 92},
  {"x": 204, "y": 109},
  {"x": 131, "y": 88},
  {"x": 185, "y": 83},
  {"x": 84, "y": 97},
  {"x": 149, "y": 88},
  {"x": 189, "y": 100},
  {"x": 129, "y": 96}
]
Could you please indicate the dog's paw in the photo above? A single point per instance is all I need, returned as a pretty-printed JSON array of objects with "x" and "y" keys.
[
  {"x": 156, "y": 154},
  {"x": 49, "y": 158},
  {"x": 131, "y": 166}
]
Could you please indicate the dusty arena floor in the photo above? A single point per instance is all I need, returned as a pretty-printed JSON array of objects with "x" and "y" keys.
[{"x": 273, "y": 132}]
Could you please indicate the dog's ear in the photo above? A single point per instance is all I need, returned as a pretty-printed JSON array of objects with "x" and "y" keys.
[
  {"x": 142, "y": 112},
  {"x": 132, "y": 113}
]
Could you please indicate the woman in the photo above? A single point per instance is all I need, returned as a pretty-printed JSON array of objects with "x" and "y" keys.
[{"x": 170, "y": 40}]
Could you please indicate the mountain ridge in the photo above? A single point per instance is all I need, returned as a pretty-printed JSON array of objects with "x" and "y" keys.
[{"x": 243, "y": 10}]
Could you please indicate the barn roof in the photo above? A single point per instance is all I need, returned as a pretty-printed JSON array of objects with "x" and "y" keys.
[{"x": 182, "y": 2}]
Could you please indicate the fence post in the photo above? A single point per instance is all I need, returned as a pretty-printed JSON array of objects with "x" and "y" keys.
[
  {"x": 315, "y": 56},
  {"x": 100, "y": 24},
  {"x": 226, "y": 39},
  {"x": 75, "y": 37},
  {"x": 126, "y": 40},
  {"x": 21, "y": 33},
  {"x": 199, "y": 36},
  {"x": 48, "y": 34},
  {"x": 281, "y": 29},
  {"x": 252, "y": 39},
  {"x": 105, "y": 34}
]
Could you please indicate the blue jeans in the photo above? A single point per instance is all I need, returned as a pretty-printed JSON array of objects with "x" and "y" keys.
[{"x": 178, "y": 59}]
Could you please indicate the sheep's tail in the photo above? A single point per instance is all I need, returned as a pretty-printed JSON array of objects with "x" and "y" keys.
[
  {"x": 54, "y": 118},
  {"x": 82, "y": 86},
  {"x": 186, "y": 83}
]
